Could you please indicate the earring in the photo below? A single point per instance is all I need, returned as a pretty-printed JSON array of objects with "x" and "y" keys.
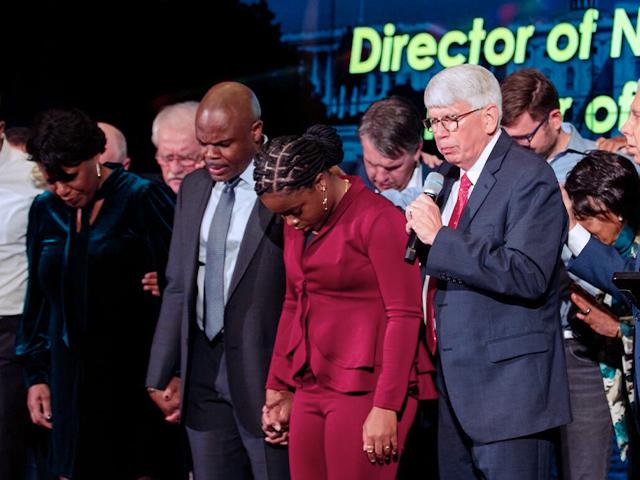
[
  {"x": 98, "y": 170},
  {"x": 325, "y": 200},
  {"x": 620, "y": 219}
]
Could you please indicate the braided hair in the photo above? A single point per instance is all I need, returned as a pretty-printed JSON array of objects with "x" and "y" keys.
[{"x": 293, "y": 162}]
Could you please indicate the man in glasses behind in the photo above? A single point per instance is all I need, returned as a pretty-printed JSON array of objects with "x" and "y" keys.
[
  {"x": 174, "y": 135},
  {"x": 532, "y": 117}
]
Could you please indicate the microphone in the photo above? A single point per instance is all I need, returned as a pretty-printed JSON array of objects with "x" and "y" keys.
[{"x": 432, "y": 187}]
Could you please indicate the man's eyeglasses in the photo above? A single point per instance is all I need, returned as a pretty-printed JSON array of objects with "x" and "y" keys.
[
  {"x": 529, "y": 136},
  {"x": 184, "y": 160},
  {"x": 450, "y": 123}
]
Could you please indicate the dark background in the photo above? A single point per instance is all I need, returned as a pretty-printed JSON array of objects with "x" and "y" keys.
[{"x": 122, "y": 62}]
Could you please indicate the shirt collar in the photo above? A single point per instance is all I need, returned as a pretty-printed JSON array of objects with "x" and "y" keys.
[
  {"x": 474, "y": 172},
  {"x": 416, "y": 176},
  {"x": 576, "y": 141},
  {"x": 247, "y": 175}
]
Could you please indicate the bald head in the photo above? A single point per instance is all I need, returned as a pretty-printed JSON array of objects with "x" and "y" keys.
[
  {"x": 229, "y": 128},
  {"x": 231, "y": 96},
  {"x": 115, "y": 150}
]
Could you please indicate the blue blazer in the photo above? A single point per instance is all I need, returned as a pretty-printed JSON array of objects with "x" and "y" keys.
[
  {"x": 596, "y": 264},
  {"x": 497, "y": 304}
]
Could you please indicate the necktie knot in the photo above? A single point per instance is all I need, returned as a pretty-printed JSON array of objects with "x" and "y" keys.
[
  {"x": 231, "y": 184},
  {"x": 465, "y": 183}
]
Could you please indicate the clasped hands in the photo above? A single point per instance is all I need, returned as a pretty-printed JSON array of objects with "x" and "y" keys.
[
  {"x": 168, "y": 400},
  {"x": 275, "y": 416}
]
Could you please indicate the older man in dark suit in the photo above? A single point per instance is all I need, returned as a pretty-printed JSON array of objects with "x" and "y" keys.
[
  {"x": 493, "y": 293},
  {"x": 225, "y": 287}
]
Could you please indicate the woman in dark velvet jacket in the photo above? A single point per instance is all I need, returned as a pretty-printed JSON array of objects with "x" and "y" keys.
[{"x": 88, "y": 324}]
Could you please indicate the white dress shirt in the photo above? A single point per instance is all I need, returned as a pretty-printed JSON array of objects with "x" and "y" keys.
[
  {"x": 245, "y": 199},
  {"x": 578, "y": 239},
  {"x": 473, "y": 174}
]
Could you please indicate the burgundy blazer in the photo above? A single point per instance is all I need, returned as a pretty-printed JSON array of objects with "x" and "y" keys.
[{"x": 353, "y": 308}]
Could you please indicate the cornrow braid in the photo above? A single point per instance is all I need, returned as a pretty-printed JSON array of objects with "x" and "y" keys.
[{"x": 292, "y": 162}]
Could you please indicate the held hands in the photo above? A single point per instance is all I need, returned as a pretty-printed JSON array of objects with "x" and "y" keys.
[
  {"x": 599, "y": 320},
  {"x": 39, "y": 405},
  {"x": 380, "y": 435},
  {"x": 150, "y": 283},
  {"x": 423, "y": 217},
  {"x": 168, "y": 400},
  {"x": 275, "y": 416}
]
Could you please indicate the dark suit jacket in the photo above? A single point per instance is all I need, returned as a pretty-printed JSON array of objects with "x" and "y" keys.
[
  {"x": 255, "y": 301},
  {"x": 497, "y": 305}
]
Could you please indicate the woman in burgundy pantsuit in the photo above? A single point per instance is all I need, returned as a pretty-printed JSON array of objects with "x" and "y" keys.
[{"x": 347, "y": 342}]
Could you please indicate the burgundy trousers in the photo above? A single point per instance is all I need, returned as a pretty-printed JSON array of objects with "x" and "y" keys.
[{"x": 325, "y": 440}]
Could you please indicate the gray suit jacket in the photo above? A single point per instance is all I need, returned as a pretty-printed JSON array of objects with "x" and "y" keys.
[
  {"x": 252, "y": 312},
  {"x": 497, "y": 304}
]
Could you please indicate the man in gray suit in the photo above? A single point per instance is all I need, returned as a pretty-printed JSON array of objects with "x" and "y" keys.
[
  {"x": 494, "y": 259},
  {"x": 222, "y": 302}
]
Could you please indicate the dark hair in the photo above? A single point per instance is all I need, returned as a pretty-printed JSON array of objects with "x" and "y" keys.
[
  {"x": 292, "y": 162},
  {"x": 17, "y": 136},
  {"x": 64, "y": 138},
  {"x": 393, "y": 125},
  {"x": 527, "y": 90},
  {"x": 609, "y": 179}
]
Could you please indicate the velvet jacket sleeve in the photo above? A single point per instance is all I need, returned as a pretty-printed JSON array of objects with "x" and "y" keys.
[
  {"x": 400, "y": 287},
  {"x": 32, "y": 340}
]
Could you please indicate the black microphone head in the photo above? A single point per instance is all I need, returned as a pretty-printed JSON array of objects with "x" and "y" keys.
[{"x": 433, "y": 184}]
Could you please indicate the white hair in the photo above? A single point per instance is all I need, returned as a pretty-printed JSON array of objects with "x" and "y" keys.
[
  {"x": 117, "y": 144},
  {"x": 472, "y": 84},
  {"x": 179, "y": 116}
]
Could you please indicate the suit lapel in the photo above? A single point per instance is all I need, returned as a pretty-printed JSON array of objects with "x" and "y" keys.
[
  {"x": 199, "y": 200},
  {"x": 451, "y": 175},
  {"x": 486, "y": 181},
  {"x": 256, "y": 228}
]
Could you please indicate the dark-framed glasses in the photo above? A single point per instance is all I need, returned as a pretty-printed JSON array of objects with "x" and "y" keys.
[
  {"x": 529, "y": 136},
  {"x": 450, "y": 123}
]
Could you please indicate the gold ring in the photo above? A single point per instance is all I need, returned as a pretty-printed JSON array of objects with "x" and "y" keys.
[{"x": 588, "y": 311}]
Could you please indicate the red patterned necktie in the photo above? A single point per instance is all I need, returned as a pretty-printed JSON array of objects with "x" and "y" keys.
[{"x": 461, "y": 202}]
